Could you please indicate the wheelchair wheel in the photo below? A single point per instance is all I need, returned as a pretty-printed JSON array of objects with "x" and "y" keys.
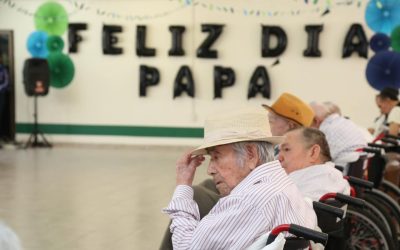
[
  {"x": 390, "y": 206},
  {"x": 365, "y": 231},
  {"x": 391, "y": 189},
  {"x": 379, "y": 211}
]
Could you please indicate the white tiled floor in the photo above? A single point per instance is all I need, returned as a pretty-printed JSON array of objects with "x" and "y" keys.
[{"x": 88, "y": 197}]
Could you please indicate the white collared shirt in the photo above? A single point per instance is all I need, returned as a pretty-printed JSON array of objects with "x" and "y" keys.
[
  {"x": 343, "y": 137},
  {"x": 315, "y": 181},
  {"x": 394, "y": 115},
  {"x": 263, "y": 200}
]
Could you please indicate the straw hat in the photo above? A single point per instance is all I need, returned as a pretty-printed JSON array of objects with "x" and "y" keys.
[
  {"x": 292, "y": 108},
  {"x": 240, "y": 125}
]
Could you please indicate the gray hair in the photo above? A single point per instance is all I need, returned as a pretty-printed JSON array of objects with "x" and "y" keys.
[
  {"x": 320, "y": 110},
  {"x": 332, "y": 108},
  {"x": 312, "y": 136},
  {"x": 265, "y": 151}
]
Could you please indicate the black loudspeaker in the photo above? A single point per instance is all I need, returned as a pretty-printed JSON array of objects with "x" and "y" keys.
[{"x": 36, "y": 77}]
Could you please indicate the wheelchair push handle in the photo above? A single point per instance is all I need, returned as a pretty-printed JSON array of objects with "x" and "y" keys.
[
  {"x": 375, "y": 145},
  {"x": 372, "y": 150},
  {"x": 322, "y": 207},
  {"x": 350, "y": 200},
  {"x": 391, "y": 141},
  {"x": 317, "y": 237},
  {"x": 392, "y": 137},
  {"x": 344, "y": 198},
  {"x": 358, "y": 182},
  {"x": 298, "y": 231}
]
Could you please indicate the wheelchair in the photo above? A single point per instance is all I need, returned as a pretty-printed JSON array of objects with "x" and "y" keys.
[
  {"x": 363, "y": 227},
  {"x": 301, "y": 237}
]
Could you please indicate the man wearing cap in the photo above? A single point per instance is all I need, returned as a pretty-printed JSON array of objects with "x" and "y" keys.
[
  {"x": 287, "y": 113},
  {"x": 258, "y": 195}
]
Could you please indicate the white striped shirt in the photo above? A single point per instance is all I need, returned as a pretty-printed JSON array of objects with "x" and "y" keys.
[{"x": 265, "y": 199}]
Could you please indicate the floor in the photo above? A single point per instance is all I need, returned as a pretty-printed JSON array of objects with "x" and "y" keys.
[{"x": 77, "y": 197}]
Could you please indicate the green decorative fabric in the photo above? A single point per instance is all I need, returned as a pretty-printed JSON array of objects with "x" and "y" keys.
[
  {"x": 62, "y": 70},
  {"x": 395, "y": 39},
  {"x": 52, "y": 18},
  {"x": 55, "y": 44}
]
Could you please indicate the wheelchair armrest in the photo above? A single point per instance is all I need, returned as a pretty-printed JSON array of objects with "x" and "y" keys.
[
  {"x": 350, "y": 200},
  {"x": 372, "y": 150},
  {"x": 344, "y": 198},
  {"x": 392, "y": 137},
  {"x": 322, "y": 207},
  {"x": 309, "y": 234},
  {"x": 354, "y": 181},
  {"x": 391, "y": 141},
  {"x": 375, "y": 145},
  {"x": 298, "y": 231}
]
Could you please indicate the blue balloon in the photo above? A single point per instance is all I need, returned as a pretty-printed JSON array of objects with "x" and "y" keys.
[
  {"x": 379, "y": 42},
  {"x": 383, "y": 15},
  {"x": 383, "y": 70},
  {"x": 36, "y": 44}
]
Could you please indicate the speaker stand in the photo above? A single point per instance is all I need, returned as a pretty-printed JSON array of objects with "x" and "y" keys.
[{"x": 34, "y": 139}]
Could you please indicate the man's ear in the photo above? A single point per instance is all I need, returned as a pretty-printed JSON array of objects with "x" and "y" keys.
[
  {"x": 292, "y": 125},
  {"x": 316, "y": 122},
  {"x": 252, "y": 156},
  {"x": 314, "y": 152}
]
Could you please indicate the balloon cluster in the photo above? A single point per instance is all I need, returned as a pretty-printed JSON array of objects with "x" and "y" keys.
[
  {"x": 383, "y": 17},
  {"x": 51, "y": 21}
]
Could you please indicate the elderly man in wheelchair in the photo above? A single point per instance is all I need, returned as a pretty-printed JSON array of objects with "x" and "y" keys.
[{"x": 257, "y": 193}]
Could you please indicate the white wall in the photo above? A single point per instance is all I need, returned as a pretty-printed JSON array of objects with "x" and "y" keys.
[{"x": 105, "y": 90}]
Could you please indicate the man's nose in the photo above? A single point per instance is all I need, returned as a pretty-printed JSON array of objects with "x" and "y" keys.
[
  {"x": 211, "y": 169},
  {"x": 280, "y": 157}
]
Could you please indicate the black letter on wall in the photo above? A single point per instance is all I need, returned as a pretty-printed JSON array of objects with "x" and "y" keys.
[
  {"x": 223, "y": 77},
  {"x": 109, "y": 40},
  {"x": 176, "y": 49},
  {"x": 259, "y": 83},
  {"x": 149, "y": 76},
  {"x": 184, "y": 82},
  {"x": 215, "y": 31},
  {"x": 350, "y": 46},
  {"x": 141, "y": 49},
  {"x": 313, "y": 41},
  {"x": 73, "y": 37},
  {"x": 280, "y": 34}
]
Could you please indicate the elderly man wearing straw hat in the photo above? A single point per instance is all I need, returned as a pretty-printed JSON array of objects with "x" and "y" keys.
[
  {"x": 258, "y": 195},
  {"x": 288, "y": 112}
]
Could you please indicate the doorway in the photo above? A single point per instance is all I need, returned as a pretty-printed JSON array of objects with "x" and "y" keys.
[{"x": 7, "y": 87}]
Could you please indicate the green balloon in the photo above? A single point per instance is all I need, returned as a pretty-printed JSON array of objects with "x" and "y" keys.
[
  {"x": 62, "y": 70},
  {"x": 395, "y": 39},
  {"x": 52, "y": 18},
  {"x": 55, "y": 44}
]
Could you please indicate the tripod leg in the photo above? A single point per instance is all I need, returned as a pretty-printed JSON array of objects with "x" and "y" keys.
[
  {"x": 34, "y": 137},
  {"x": 45, "y": 142},
  {"x": 30, "y": 141}
]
